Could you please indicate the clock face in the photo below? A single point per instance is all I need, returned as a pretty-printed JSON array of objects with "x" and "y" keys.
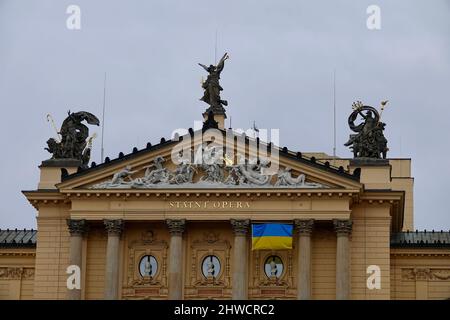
[
  {"x": 211, "y": 266},
  {"x": 148, "y": 266},
  {"x": 273, "y": 267}
]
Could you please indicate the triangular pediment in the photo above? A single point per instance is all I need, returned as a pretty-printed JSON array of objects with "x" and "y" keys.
[{"x": 198, "y": 163}]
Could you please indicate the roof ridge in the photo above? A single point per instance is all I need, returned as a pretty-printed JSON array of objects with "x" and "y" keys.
[{"x": 163, "y": 142}]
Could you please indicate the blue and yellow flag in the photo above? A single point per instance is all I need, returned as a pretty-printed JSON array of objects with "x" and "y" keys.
[{"x": 272, "y": 236}]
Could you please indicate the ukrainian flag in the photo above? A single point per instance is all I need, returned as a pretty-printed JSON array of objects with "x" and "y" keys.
[{"x": 272, "y": 236}]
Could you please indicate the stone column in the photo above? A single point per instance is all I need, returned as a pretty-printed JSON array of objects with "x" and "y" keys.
[
  {"x": 176, "y": 229},
  {"x": 343, "y": 229},
  {"x": 240, "y": 260},
  {"x": 114, "y": 229},
  {"x": 77, "y": 228},
  {"x": 304, "y": 229}
]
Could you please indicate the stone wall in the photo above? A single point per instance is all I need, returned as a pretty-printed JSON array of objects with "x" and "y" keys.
[
  {"x": 420, "y": 273},
  {"x": 17, "y": 273}
]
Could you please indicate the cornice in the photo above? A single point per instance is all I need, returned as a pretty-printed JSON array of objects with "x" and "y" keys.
[
  {"x": 420, "y": 251},
  {"x": 422, "y": 254},
  {"x": 227, "y": 192},
  {"x": 16, "y": 253},
  {"x": 39, "y": 197},
  {"x": 380, "y": 196}
]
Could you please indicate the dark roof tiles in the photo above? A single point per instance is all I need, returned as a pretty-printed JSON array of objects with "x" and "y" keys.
[
  {"x": 421, "y": 239},
  {"x": 17, "y": 238}
]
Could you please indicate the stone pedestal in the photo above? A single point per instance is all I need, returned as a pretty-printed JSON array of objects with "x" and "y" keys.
[
  {"x": 219, "y": 116},
  {"x": 240, "y": 260},
  {"x": 373, "y": 173},
  {"x": 52, "y": 169},
  {"x": 77, "y": 228},
  {"x": 343, "y": 230},
  {"x": 304, "y": 229},
  {"x": 176, "y": 229},
  {"x": 114, "y": 229}
]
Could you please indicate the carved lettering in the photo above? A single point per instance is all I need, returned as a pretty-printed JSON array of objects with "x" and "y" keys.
[{"x": 209, "y": 205}]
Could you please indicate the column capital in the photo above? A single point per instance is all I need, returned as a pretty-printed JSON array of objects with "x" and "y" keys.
[
  {"x": 240, "y": 227},
  {"x": 77, "y": 227},
  {"x": 304, "y": 226},
  {"x": 342, "y": 227},
  {"x": 176, "y": 226},
  {"x": 114, "y": 227}
]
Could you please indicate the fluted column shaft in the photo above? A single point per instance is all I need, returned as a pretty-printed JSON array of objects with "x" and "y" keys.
[
  {"x": 343, "y": 230},
  {"x": 176, "y": 229},
  {"x": 77, "y": 229},
  {"x": 240, "y": 260},
  {"x": 304, "y": 229},
  {"x": 114, "y": 229}
]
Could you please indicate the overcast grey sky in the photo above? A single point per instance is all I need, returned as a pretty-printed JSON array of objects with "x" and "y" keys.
[{"x": 282, "y": 56}]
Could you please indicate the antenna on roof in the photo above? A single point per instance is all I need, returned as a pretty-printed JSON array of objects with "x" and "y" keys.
[
  {"x": 255, "y": 129},
  {"x": 103, "y": 118},
  {"x": 215, "y": 49},
  {"x": 334, "y": 115}
]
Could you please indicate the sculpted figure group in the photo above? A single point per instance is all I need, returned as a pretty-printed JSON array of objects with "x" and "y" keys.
[
  {"x": 369, "y": 140},
  {"x": 212, "y": 173},
  {"x": 73, "y": 142}
]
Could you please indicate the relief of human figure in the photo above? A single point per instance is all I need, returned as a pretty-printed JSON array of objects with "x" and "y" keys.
[
  {"x": 148, "y": 267},
  {"x": 156, "y": 173},
  {"x": 273, "y": 268},
  {"x": 210, "y": 268},
  {"x": 284, "y": 178},
  {"x": 125, "y": 173},
  {"x": 212, "y": 158},
  {"x": 184, "y": 173}
]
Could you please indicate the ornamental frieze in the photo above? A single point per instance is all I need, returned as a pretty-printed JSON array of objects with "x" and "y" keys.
[
  {"x": 16, "y": 273},
  {"x": 425, "y": 274}
]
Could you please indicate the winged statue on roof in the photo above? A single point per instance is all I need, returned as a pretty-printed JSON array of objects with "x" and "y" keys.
[{"x": 212, "y": 86}]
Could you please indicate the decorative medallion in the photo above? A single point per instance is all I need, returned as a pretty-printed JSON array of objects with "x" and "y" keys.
[
  {"x": 273, "y": 267},
  {"x": 148, "y": 266},
  {"x": 211, "y": 266}
]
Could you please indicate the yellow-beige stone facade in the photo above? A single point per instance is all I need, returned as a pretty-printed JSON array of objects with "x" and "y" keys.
[{"x": 355, "y": 219}]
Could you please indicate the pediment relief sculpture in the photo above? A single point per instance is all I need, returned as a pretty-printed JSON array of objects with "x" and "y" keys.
[{"x": 208, "y": 174}]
